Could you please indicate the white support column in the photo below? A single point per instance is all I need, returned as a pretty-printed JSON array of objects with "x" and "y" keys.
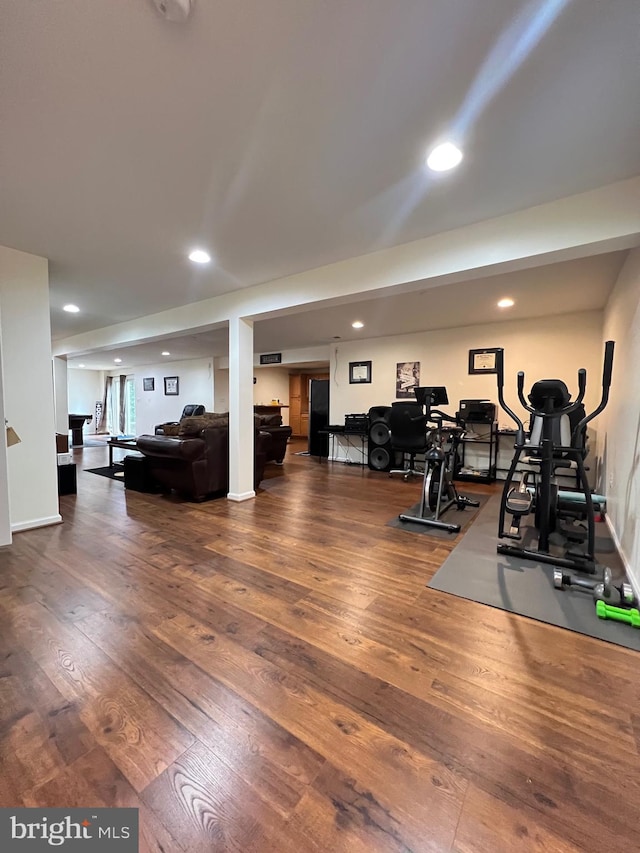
[
  {"x": 241, "y": 423},
  {"x": 60, "y": 395},
  {"x": 28, "y": 389}
]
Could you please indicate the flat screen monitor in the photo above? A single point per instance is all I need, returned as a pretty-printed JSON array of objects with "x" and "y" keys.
[{"x": 431, "y": 395}]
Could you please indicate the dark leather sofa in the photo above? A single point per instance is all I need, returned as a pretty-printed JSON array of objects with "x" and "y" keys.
[{"x": 197, "y": 466}]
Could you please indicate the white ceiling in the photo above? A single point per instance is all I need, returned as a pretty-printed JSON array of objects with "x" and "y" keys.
[
  {"x": 288, "y": 134},
  {"x": 560, "y": 288}
]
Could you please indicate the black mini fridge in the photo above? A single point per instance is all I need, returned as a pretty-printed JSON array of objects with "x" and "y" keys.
[{"x": 318, "y": 417}]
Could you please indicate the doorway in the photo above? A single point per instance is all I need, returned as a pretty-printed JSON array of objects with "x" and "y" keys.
[{"x": 299, "y": 401}]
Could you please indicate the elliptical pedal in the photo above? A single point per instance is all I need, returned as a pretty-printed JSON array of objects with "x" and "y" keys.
[{"x": 519, "y": 502}]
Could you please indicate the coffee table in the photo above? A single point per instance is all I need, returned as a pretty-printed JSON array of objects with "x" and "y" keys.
[{"x": 125, "y": 443}]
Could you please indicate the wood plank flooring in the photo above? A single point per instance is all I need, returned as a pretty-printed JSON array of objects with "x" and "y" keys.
[{"x": 275, "y": 676}]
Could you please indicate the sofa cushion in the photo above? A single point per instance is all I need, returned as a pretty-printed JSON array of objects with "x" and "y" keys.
[
  {"x": 168, "y": 429},
  {"x": 187, "y": 449},
  {"x": 270, "y": 420},
  {"x": 195, "y": 425}
]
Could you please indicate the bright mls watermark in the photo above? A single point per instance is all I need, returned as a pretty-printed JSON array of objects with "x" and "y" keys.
[{"x": 82, "y": 830}]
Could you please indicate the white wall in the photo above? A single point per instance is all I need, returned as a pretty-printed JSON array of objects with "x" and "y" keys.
[
  {"x": 620, "y": 438},
  {"x": 196, "y": 385},
  {"x": 85, "y": 388},
  {"x": 61, "y": 395},
  {"x": 28, "y": 389},
  {"x": 272, "y": 383},
  {"x": 221, "y": 389},
  {"x": 553, "y": 347}
]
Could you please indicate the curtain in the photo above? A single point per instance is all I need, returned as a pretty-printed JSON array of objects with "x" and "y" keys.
[
  {"x": 102, "y": 424},
  {"x": 122, "y": 412}
]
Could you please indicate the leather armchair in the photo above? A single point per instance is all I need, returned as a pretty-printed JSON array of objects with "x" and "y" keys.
[
  {"x": 197, "y": 467},
  {"x": 280, "y": 435},
  {"x": 171, "y": 427}
]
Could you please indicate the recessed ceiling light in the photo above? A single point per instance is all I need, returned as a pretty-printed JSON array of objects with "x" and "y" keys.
[
  {"x": 118, "y": 360},
  {"x": 166, "y": 353},
  {"x": 443, "y": 157},
  {"x": 81, "y": 365},
  {"x": 506, "y": 303},
  {"x": 72, "y": 309},
  {"x": 199, "y": 256},
  {"x": 357, "y": 325}
]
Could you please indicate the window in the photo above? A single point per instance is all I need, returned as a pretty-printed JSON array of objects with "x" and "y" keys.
[{"x": 115, "y": 424}]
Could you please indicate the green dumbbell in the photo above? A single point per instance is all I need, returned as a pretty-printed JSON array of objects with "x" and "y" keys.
[{"x": 606, "y": 611}]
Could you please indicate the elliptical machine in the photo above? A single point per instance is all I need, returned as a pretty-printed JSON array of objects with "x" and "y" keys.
[
  {"x": 549, "y": 401},
  {"x": 438, "y": 489}
]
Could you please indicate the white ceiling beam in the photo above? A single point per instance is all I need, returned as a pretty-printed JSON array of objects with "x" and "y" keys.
[{"x": 601, "y": 220}]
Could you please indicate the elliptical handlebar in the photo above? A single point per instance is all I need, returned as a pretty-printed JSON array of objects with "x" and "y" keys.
[
  {"x": 607, "y": 372},
  {"x": 521, "y": 388},
  {"x": 582, "y": 386},
  {"x": 501, "y": 400},
  {"x": 571, "y": 406}
]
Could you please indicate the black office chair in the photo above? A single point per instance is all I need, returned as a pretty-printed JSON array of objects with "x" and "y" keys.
[
  {"x": 408, "y": 435},
  {"x": 191, "y": 410}
]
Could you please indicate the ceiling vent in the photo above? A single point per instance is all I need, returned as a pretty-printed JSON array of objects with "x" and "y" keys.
[{"x": 176, "y": 11}]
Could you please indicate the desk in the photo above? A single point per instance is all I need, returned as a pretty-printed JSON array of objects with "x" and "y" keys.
[{"x": 350, "y": 436}]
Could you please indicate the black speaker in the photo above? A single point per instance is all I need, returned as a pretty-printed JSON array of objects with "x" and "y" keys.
[{"x": 379, "y": 455}]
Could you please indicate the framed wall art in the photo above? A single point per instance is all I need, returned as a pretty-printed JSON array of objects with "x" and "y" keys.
[
  {"x": 407, "y": 378},
  {"x": 359, "y": 372},
  {"x": 171, "y": 386},
  {"x": 148, "y": 384},
  {"x": 483, "y": 360}
]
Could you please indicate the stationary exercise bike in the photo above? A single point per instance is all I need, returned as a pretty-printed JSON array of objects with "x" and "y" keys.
[
  {"x": 438, "y": 490},
  {"x": 550, "y": 405}
]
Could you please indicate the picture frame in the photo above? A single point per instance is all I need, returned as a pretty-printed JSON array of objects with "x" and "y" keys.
[
  {"x": 148, "y": 384},
  {"x": 359, "y": 372},
  {"x": 483, "y": 360},
  {"x": 407, "y": 378},
  {"x": 171, "y": 386}
]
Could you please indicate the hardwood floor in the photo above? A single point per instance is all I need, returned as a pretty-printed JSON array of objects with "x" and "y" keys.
[{"x": 275, "y": 676}]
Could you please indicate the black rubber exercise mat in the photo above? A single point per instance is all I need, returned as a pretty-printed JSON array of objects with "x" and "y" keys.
[{"x": 476, "y": 572}]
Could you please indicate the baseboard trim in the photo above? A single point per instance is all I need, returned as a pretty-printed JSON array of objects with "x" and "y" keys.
[
  {"x": 36, "y": 522},
  {"x": 635, "y": 582},
  {"x": 241, "y": 496}
]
